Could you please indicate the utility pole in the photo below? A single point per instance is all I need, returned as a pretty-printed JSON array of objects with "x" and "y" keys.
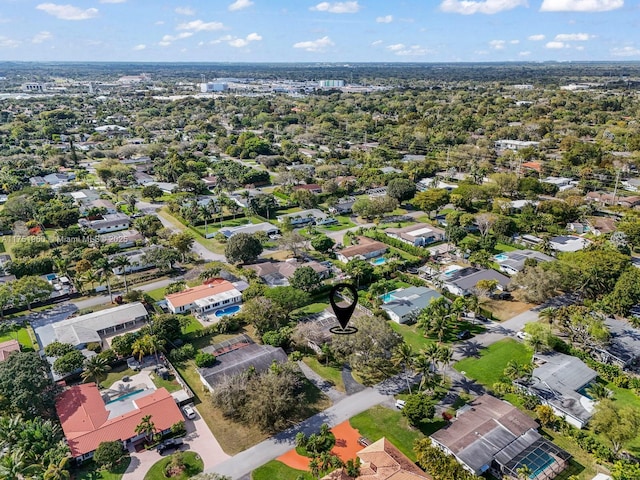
[{"x": 615, "y": 189}]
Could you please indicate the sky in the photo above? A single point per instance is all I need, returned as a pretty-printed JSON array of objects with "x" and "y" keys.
[{"x": 320, "y": 31}]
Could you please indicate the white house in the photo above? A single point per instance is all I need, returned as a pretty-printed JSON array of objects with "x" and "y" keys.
[{"x": 211, "y": 296}]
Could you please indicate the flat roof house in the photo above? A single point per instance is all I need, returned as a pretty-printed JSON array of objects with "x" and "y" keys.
[
  {"x": 303, "y": 217},
  {"x": 559, "y": 380},
  {"x": 419, "y": 234},
  {"x": 277, "y": 274},
  {"x": 623, "y": 348},
  {"x": 92, "y": 327},
  {"x": 204, "y": 298},
  {"x": 492, "y": 435},
  {"x": 403, "y": 304},
  {"x": 237, "y": 355},
  {"x": 87, "y": 420},
  {"x": 514, "y": 261},
  {"x": 110, "y": 222},
  {"x": 344, "y": 205},
  {"x": 364, "y": 250},
  {"x": 250, "y": 228},
  {"x": 463, "y": 281}
]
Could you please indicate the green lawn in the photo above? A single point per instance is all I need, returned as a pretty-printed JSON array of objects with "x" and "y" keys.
[
  {"x": 412, "y": 335},
  {"x": 193, "y": 325},
  {"x": 379, "y": 422},
  {"x": 344, "y": 222},
  {"x": 488, "y": 369},
  {"x": 192, "y": 460},
  {"x": 626, "y": 398},
  {"x": 171, "y": 385},
  {"x": 309, "y": 310},
  {"x": 23, "y": 338},
  {"x": 116, "y": 374},
  {"x": 90, "y": 471},
  {"x": 502, "y": 247},
  {"x": 332, "y": 374},
  {"x": 278, "y": 470},
  {"x": 157, "y": 294}
]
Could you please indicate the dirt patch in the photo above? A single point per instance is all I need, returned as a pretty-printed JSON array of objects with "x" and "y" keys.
[
  {"x": 294, "y": 460},
  {"x": 347, "y": 445},
  {"x": 507, "y": 309}
]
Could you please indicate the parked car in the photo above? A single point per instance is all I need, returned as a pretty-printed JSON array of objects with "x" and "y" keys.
[
  {"x": 364, "y": 441},
  {"x": 400, "y": 404},
  {"x": 189, "y": 412},
  {"x": 463, "y": 335},
  {"x": 522, "y": 335},
  {"x": 169, "y": 444}
]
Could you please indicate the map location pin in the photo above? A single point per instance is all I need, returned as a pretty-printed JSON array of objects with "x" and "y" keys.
[{"x": 343, "y": 313}]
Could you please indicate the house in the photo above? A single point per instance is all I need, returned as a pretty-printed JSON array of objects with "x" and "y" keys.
[
  {"x": 316, "y": 329},
  {"x": 365, "y": 249},
  {"x": 7, "y": 348},
  {"x": 107, "y": 205},
  {"x": 376, "y": 192},
  {"x": 109, "y": 222},
  {"x": 215, "y": 294},
  {"x": 250, "y": 229},
  {"x": 124, "y": 238},
  {"x": 88, "y": 420},
  {"x": 277, "y": 274},
  {"x": 403, "y": 304},
  {"x": 577, "y": 227},
  {"x": 83, "y": 198},
  {"x": 631, "y": 184},
  {"x": 382, "y": 461},
  {"x": 419, "y": 234},
  {"x": 514, "y": 144},
  {"x": 344, "y": 206},
  {"x": 236, "y": 356},
  {"x": 568, "y": 243},
  {"x": 309, "y": 187},
  {"x": 303, "y": 217},
  {"x": 137, "y": 258},
  {"x": 429, "y": 183},
  {"x": 143, "y": 178},
  {"x": 610, "y": 199},
  {"x": 463, "y": 281},
  {"x": 492, "y": 435},
  {"x": 563, "y": 183},
  {"x": 559, "y": 381},
  {"x": 623, "y": 348},
  {"x": 386, "y": 170},
  {"x": 92, "y": 327},
  {"x": 601, "y": 225},
  {"x": 514, "y": 261}
]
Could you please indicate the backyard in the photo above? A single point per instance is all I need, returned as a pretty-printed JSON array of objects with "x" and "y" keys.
[
  {"x": 278, "y": 470},
  {"x": 20, "y": 334},
  {"x": 90, "y": 471}
]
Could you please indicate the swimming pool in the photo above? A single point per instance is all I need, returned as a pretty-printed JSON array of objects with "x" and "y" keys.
[
  {"x": 51, "y": 276},
  {"x": 451, "y": 269},
  {"x": 378, "y": 261},
  {"x": 388, "y": 297},
  {"x": 227, "y": 311},
  {"x": 501, "y": 257},
  {"x": 125, "y": 396},
  {"x": 538, "y": 461}
]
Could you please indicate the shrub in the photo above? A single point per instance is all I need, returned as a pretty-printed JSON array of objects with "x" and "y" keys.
[
  {"x": 204, "y": 359},
  {"x": 183, "y": 353},
  {"x": 108, "y": 454},
  {"x": 94, "y": 347}
]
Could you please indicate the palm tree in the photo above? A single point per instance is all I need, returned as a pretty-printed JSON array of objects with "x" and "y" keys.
[
  {"x": 91, "y": 277},
  {"x": 205, "y": 212},
  {"x": 515, "y": 370},
  {"x": 95, "y": 368},
  {"x": 122, "y": 262},
  {"x": 403, "y": 356},
  {"x": 598, "y": 391},
  {"x": 549, "y": 314},
  {"x": 105, "y": 272},
  {"x": 424, "y": 367},
  {"x": 524, "y": 472},
  {"x": 146, "y": 427},
  {"x": 14, "y": 467},
  {"x": 58, "y": 471},
  {"x": 445, "y": 355},
  {"x": 131, "y": 201},
  {"x": 209, "y": 273},
  {"x": 146, "y": 345}
]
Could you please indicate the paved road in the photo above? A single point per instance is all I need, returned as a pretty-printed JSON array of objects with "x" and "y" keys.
[
  {"x": 245, "y": 462},
  {"x": 102, "y": 299},
  {"x": 338, "y": 236}
]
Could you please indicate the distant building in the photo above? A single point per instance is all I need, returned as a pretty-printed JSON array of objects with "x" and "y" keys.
[
  {"x": 344, "y": 206},
  {"x": 251, "y": 228},
  {"x": 365, "y": 249},
  {"x": 304, "y": 217},
  {"x": 309, "y": 187},
  {"x": 491, "y": 435},
  {"x": 277, "y": 274},
  {"x": 522, "y": 87},
  {"x": 216, "y": 294},
  {"x": 419, "y": 234},
  {"x": 514, "y": 144},
  {"x": 563, "y": 183},
  {"x": 214, "y": 87},
  {"x": 331, "y": 83},
  {"x": 33, "y": 87},
  {"x": 623, "y": 348}
]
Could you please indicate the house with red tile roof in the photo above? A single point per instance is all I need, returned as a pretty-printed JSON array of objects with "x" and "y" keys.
[
  {"x": 217, "y": 293},
  {"x": 88, "y": 420},
  {"x": 7, "y": 348},
  {"x": 382, "y": 461}
]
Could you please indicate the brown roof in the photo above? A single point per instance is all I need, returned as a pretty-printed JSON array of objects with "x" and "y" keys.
[
  {"x": 382, "y": 461},
  {"x": 365, "y": 245},
  {"x": 7, "y": 348},
  {"x": 286, "y": 269},
  {"x": 86, "y": 423},
  {"x": 482, "y": 416},
  {"x": 308, "y": 186},
  {"x": 603, "y": 224}
]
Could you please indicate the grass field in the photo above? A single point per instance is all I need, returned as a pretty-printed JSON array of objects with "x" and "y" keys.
[
  {"x": 193, "y": 326},
  {"x": 90, "y": 471},
  {"x": 488, "y": 369},
  {"x": 344, "y": 222},
  {"x": 379, "y": 422},
  {"x": 412, "y": 335},
  {"x": 329, "y": 373},
  {"x": 309, "y": 310},
  {"x": 171, "y": 385},
  {"x": 22, "y": 335},
  {"x": 278, "y": 470},
  {"x": 506, "y": 309},
  {"x": 192, "y": 460},
  {"x": 116, "y": 374}
]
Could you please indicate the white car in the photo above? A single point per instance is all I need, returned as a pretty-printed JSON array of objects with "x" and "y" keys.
[
  {"x": 522, "y": 334},
  {"x": 189, "y": 412},
  {"x": 400, "y": 404}
]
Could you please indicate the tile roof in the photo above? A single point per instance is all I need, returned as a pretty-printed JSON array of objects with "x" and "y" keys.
[
  {"x": 365, "y": 245},
  {"x": 85, "y": 418},
  {"x": 7, "y": 348},
  {"x": 190, "y": 295}
]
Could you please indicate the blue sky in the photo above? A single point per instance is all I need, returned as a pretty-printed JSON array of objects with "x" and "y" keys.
[{"x": 317, "y": 31}]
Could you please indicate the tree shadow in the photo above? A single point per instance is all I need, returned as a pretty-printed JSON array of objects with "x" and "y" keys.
[{"x": 470, "y": 348}]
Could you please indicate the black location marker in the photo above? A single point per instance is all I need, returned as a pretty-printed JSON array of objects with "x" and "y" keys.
[{"x": 343, "y": 313}]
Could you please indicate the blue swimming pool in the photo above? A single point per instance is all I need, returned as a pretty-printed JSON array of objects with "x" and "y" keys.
[
  {"x": 125, "y": 396},
  {"x": 51, "y": 276},
  {"x": 387, "y": 297},
  {"x": 501, "y": 257},
  {"x": 538, "y": 461},
  {"x": 227, "y": 311},
  {"x": 379, "y": 261}
]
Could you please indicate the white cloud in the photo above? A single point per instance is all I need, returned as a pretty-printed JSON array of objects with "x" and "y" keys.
[
  {"x": 337, "y": 7},
  {"x": 68, "y": 12},
  {"x": 497, "y": 44},
  {"x": 113, "y": 1},
  {"x": 240, "y": 4},
  {"x": 139, "y": 47},
  {"x": 385, "y": 19},
  {"x": 8, "y": 42},
  {"x": 514, "y": 42},
  {"x": 376, "y": 43},
  {"x": 243, "y": 42},
  {"x": 169, "y": 39},
  {"x": 525, "y": 53},
  {"x": 572, "y": 37},
  {"x": 403, "y": 50},
  {"x": 489, "y": 7},
  {"x": 186, "y": 11},
  {"x": 315, "y": 45},
  {"x": 159, "y": 22},
  {"x": 200, "y": 26},
  {"x": 556, "y": 45},
  {"x": 41, "y": 37},
  {"x": 580, "y": 5},
  {"x": 627, "y": 51},
  {"x": 536, "y": 38}
]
